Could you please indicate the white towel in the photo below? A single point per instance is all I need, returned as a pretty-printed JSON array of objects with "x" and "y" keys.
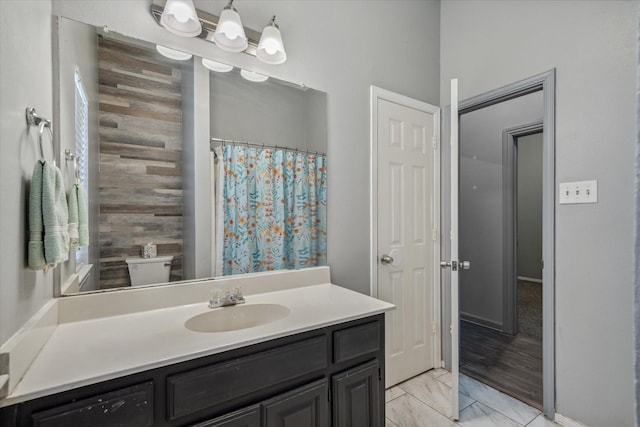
[
  {"x": 72, "y": 199},
  {"x": 83, "y": 218}
]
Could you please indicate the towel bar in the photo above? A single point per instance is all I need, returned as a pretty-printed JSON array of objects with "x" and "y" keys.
[
  {"x": 34, "y": 120},
  {"x": 71, "y": 156}
]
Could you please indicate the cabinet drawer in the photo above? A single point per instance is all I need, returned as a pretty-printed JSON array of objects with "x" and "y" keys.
[
  {"x": 131, "y": 406},
  {"x": 356, "y": 341},
  {"x": 213, "y": 385}
]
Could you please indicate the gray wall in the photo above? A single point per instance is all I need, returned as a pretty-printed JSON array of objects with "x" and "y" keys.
[
  {"x": 197, "y": 214},
  {"x": 481, "y": 195},
  {"x": 335, "y": 47},
  {"x": 268, "y": 112},
  {"x": 530, "y": 206},
  {"x": 488, "y": 44},
  {"x": 637, "y": 249},
  {"x": 77, "y": 47},
  {"x": 25, "y": 81}
]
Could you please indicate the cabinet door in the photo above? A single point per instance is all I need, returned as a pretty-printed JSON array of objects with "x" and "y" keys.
[
  {"x": 246, "y": 417},
  {"x": 357, "y": 397},
  {"x": 303, "y": 407}
]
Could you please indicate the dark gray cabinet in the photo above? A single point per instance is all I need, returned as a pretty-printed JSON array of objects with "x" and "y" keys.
[{"x": 329, "y": 376}]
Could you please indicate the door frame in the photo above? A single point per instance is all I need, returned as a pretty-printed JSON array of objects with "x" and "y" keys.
[
  {"x": 544, "y": 82},
  {"x": 377, "y": 93},
  {"x": 510, "y": 225}
]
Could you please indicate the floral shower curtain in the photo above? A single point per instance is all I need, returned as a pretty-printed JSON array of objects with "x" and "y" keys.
[{"x": 275, "y": 209}]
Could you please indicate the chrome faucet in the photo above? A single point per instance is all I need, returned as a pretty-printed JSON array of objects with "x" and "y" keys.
[{"x": 219, "y": 298}]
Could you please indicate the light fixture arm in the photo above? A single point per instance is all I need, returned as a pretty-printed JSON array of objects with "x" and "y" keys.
[{"x": 229, "y": 6}]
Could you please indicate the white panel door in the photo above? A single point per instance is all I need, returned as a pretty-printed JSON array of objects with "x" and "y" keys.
[
  {"x": 407, "y": 211},
  {"x": 453, "y": 263}
]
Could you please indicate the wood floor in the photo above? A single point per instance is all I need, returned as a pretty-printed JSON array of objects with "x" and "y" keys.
[{"x": 511, "y": 364}]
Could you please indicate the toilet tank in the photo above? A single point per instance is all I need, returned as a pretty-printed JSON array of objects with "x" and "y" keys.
[{"x": 145, "y": 271}]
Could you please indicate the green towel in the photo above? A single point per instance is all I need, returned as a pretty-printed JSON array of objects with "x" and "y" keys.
[
  {"x": 36, "y": 229},
  {"x": 83, "y": 218},
  {"x": 55, "y": 215},
  {"x": 72, "y": 198}
]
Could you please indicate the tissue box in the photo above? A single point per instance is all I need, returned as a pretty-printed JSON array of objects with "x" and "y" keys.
[{"x": 149, "y": 251}]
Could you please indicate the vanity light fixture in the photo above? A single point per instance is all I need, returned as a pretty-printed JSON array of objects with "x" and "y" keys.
[
  {"x": 229, "y": 34},
  {"x": 226, "y": 31},
  {"x": 178, "y": 55},
  {"x": 271, "y": 49},
  {"x": 252, "y": 76},
  {"x": 180, "y": 17},
  {"x": 216, "y": 66}
]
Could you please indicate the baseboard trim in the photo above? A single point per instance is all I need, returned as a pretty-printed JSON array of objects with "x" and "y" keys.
[
  {"x": 481, "y": 321},
  {"x": 530, "y": 279},
  {"x": 567, "y": 422}
]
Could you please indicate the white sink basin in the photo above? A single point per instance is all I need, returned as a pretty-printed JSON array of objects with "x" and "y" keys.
[{"x": 236, "y": 317}]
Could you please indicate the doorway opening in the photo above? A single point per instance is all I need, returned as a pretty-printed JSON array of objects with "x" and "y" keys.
[
  {"x": 490, "y": 261},
  {"x": 506, "y": 355}
]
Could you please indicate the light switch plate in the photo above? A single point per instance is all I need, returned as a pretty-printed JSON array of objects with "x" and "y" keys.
[{"x": 578, "y": 192}]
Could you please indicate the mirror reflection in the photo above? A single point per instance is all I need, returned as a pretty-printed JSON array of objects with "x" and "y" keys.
[{"x": 137, "y": 173}]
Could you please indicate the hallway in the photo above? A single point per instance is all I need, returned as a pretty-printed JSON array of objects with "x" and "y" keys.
[{"x": 509, "y": 363}]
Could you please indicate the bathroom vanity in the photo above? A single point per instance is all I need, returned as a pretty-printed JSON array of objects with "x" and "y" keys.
[
  {"x": 328, "y": 376},
  {"x": 320, "y": 365}
]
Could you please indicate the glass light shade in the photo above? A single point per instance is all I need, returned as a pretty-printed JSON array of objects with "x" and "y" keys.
[
  {"x": 229, "y": 34},
  {"x": 173, "y": 54},
  {"x": 271, "y": 49},
  {"x": 180, "y": 17},
  {"x": 252, "y": 76},
  {"x": 216, "y": 66}
]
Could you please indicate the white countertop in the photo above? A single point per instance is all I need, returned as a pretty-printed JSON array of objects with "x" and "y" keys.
[{"x": 89, "y": 351}]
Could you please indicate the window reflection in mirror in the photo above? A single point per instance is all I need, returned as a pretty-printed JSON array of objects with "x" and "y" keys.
[{"x": 135, "y": 163}]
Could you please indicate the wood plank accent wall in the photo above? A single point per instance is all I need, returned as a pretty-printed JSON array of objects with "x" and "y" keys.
[{"x": 140, "y": 94}]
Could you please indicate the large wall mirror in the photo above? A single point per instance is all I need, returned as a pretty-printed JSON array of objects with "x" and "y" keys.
[{"x": 125, "y": 114}]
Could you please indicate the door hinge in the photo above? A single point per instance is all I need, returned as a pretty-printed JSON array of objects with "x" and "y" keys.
[
  {"x": 434, "y": 142},
  {"x": 434, "y": 235},
  {"x": 434, "y": 330},
  {"x": 329, "y": 395},
  {"x": 379, "y": 374}
]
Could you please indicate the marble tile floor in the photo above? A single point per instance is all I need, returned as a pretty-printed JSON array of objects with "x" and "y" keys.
[{"x": 422, "y": 401}]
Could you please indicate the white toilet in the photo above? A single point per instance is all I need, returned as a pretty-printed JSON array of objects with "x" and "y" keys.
[{"x": 145, "y": 271}]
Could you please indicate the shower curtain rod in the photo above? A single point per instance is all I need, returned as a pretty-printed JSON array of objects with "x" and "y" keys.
[{"x": 259, "y": 145}]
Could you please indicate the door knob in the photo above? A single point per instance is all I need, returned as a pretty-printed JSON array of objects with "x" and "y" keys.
[
  {"x": 386, "y": 259},
  {"x": 456, "y": 265}
]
